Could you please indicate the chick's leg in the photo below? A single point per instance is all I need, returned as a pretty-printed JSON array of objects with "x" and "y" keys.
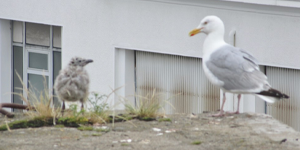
[{"x": 63, "y": 108}]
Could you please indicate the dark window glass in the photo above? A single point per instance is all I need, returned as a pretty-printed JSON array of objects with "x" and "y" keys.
[
  {"x": 18, "y": 68},
  {"x": 37, "y": 85},
  {"x": 56, "y": 69},
  {"x": 38, "y": 61}
]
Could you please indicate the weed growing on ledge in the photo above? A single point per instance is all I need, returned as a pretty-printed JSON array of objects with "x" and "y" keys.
[
  {"x": 99, "y": 106},
  {"x": 148, "y": 107},
  {"x": 99, "y": 111}
]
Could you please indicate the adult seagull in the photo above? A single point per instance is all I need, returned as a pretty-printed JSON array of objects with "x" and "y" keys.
[{"x": 232, "y": 69}]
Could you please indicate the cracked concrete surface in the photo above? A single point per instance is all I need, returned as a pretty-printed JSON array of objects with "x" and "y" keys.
[{"x": 242, "y": 131}]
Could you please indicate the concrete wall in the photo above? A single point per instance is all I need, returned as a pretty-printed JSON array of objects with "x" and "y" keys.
[{"x": 94, "y": 28}]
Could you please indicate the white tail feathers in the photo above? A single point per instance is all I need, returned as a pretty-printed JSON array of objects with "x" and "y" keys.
[{"x": 268, "y": 98}]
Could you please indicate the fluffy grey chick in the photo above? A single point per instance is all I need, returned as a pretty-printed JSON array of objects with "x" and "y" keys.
[{"x": 72, "y": 83}]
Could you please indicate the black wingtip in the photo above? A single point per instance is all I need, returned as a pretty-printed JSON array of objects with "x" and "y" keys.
[{"x": 273, "y": 93}]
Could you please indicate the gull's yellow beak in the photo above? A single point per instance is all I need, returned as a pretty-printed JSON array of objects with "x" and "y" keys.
[{"x": 194, "y": 32}]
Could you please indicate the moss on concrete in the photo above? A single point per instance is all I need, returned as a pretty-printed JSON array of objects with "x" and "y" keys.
[
  {"x": 45, "y": 121},
  {"x": 33, "y": 123},
  {"x": 196, "y": 143},
  {"x": 164, "y": 119},
  {"x": 85, "y": 128}
]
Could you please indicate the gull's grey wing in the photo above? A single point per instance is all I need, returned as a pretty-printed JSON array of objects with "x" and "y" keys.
[
  {"x": 238, "y": 69},
  {"x": 250, "y": 58}
]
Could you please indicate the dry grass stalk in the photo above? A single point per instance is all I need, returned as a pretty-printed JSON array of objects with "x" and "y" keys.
[
  {"x": 41, "y": 103},
  {"x": 6, "y": 123},
  {"x": 149, "y": 106}
]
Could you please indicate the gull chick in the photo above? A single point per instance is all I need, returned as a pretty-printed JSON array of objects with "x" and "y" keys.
[
  {"x": 72, "y": 83},
  {"x": 232, "y": 69}
]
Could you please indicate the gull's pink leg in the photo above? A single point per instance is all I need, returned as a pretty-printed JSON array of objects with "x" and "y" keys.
[
  {"x": 238, "y": 106},
  {"x": 221, "y": 113}
]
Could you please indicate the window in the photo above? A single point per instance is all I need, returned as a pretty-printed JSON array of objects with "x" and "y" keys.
[
  {"x": 36, "y": 57},
  {"x": 37, "y": 34}
]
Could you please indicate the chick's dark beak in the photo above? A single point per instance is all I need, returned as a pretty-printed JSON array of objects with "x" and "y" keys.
[{"x": 89, "y": 61}]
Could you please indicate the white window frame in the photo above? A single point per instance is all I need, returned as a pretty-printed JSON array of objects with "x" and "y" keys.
[{"x": 42, "y": 72}]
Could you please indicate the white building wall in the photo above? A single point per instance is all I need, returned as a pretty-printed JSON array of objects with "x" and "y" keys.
[
  {"x": 5, "y": 61},
  {"x": 124, "y": 78},
  {"x": 93, "y": 29}
]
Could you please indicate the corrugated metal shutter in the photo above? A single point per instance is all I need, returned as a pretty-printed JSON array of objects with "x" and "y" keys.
[
  {"x": 179, "y": 79},
  {"x": 287, "y": 81}
]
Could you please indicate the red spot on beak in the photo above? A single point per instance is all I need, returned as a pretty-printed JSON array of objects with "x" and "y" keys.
[{"x": 192, "y": 34}]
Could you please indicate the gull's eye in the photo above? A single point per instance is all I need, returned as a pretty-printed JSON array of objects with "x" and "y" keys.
[{"x": 205, "y": 23}]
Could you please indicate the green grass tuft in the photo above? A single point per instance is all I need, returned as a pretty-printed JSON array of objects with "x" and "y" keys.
[
  {"x": 196, "y": 143},
  {"x": 72, "y": 121},
  {"x": 85, "y": 128},
  {"x": 99, "y": 112},
  {"x": 125, "y": 144},
  {"x": 3, "y": 128},
  {"x": 146, "y": 118},
  {"x": 148, "y": 107},
  {"x": 96, "y": 134},
  {"x": 102, "y": 130}
]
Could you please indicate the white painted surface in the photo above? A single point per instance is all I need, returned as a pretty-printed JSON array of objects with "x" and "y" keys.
[
  {"x": 124, "y": 78},
  {"x": 119, "y": 76},
  {"x": 93, "y": 28},
  {"x": 286, "y": 3},
  {"x": 129, "y": 85},
  {"x": 5, "y": 61}
]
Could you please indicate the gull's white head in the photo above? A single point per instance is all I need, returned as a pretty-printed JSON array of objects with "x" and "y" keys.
[{"x": 209, "y": 24}]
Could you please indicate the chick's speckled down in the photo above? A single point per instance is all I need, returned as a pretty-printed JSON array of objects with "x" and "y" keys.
[{"x": 72, "y": 83}]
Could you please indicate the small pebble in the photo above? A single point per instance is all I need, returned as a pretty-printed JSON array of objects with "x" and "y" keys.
[
  {"x": 156, "y": 129},
  {"x": 146, "y": 141},
  {"x": 170, "y": 131},
  {"x": 123, "y": 141}
]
